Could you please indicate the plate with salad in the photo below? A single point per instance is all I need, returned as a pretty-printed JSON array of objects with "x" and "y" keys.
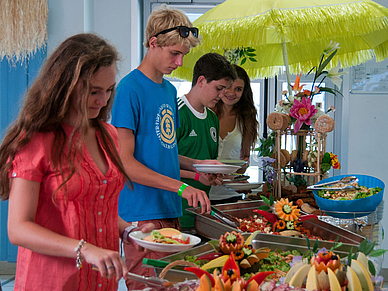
[
  {"x": 167, "y": 240},
  {"x": 360, "y": 201}
]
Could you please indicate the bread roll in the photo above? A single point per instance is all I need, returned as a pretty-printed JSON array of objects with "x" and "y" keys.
[
  {"x": 286, "y": 121},
  {"x": 286, "y": 155},
  {"x": 324, "y": 123},
  {"x": 275, "y": 121}
]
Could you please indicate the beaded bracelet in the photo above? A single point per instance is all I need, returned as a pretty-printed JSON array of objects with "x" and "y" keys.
[
  {"x": 78, "y": 251},
  {"x": 126, "y": 232},
  {"x": 183, "y": 187}
]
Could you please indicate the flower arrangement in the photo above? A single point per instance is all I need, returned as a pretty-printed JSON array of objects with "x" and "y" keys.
[
  {"x": 299, "y": 106},
  {"x": 296, "y": 111}
]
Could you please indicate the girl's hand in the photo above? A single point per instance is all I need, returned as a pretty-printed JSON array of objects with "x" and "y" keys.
[
  {"x": 108, "y": 262},
  {"x": 148, "y": 227}
]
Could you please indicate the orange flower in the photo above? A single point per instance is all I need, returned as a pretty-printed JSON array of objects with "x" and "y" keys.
[
  {"x": 297, "y": 87},
  {"x": 335, "y": 163}
]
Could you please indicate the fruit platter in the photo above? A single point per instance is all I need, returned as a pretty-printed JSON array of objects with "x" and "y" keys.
[{"x": 236, "y": 263}]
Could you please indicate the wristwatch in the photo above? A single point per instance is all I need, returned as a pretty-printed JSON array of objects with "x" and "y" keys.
[{"x": 126, "y": 232}]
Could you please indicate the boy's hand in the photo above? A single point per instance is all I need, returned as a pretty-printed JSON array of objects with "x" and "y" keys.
[
  {"x": 211, "y": 179},
  {"x": 193, "y": 196}
]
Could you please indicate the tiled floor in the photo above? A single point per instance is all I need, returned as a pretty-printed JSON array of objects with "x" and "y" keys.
[{"x": 7, "y": 277}]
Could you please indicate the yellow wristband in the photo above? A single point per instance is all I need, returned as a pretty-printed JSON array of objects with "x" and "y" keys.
[{"x": 183, "y": 187}]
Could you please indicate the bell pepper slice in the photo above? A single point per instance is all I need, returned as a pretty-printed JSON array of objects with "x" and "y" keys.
[
  {"x": 307, "y": 217},
  {"x": 199, "y": 272},
  {"x": 274, "y": 226},
  {"x": 209, "y": 257},
  {"x": 231, "y": 266},
  {"x": 259, "y": 277},
  {"x": 272, "y": 218}
]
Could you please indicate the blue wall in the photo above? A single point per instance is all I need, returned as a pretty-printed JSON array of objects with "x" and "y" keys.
[{"x": 14, "y": 81}]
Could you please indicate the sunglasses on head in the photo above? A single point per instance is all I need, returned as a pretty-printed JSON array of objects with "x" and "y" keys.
[{"x": 184, "y": 31}]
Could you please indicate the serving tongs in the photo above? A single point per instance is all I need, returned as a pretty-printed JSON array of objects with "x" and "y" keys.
[
  {"x": 225, "y": 218},
  {"x": 149, "y": 281},
  {"x": 346, "y": 183}
]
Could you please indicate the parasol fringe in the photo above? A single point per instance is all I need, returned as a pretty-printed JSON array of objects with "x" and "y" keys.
[
  {"x": 23, "y": 28},
  {"x": 381, "y": 51},
  {"x": 309, "y": 23},
  {"x": 304, "y": 36}
]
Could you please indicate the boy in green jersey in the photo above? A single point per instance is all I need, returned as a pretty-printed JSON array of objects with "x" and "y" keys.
[{"x": 198, "y": 135}]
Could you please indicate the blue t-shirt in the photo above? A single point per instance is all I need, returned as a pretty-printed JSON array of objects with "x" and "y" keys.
[{"x": 151, "y": 111}]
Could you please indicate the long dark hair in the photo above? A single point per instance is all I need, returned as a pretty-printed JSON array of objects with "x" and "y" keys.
[
  {"x": 246, "y": 114},
  {"x": 47, "y": 103}
]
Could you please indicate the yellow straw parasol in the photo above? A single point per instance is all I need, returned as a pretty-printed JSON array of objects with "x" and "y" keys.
[
  {"x": 23, "y": 28},
  {"x": 293, "y": 31}
]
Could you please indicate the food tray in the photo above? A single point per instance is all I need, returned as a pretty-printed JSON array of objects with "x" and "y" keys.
[
  {"x": 209, "y": 227},
  {"x": 274, "y": 242}
]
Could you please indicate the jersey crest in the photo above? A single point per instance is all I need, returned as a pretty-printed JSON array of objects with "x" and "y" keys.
[
  {"x": 213, "y": 133},
  {"x": 165, "y": 127}
]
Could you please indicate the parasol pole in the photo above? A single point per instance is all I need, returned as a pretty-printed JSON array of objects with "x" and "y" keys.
[{"x": 285, "y": 60}]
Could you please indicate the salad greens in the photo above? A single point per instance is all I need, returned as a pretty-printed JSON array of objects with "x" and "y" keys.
[{"x": 359, "y": 193}]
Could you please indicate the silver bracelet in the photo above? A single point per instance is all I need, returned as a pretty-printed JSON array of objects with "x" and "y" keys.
[
  {"x": 127, "y": 231},
  {"x": 78, "y": 251}
]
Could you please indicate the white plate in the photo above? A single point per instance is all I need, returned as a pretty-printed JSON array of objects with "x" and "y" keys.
[
  {"x": 138, "y": 237},
  {"x": 243, "y": 186},
  {"x": 216, "y": 169},
  {"x": 233, "y": 162}
]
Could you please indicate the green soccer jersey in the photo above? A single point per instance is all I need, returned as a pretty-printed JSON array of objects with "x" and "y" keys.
[{"x": 198, "y": 139}]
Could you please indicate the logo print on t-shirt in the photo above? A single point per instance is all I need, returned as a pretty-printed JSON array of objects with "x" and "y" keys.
[
  {"x": 165, "y": 127},
  {"x": 213, "y": 133},
  {"x": 193, "y": 133}
]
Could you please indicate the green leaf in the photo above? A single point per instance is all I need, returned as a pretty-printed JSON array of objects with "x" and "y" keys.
[
  {"x": 350, "y": 256},
  {"x": 369, "y": 248},
  {"x": 325, "y": 62},
  {"x": 325, "y": 167},
  {"x": 315, "y": 248},
  {"x": 330, "y": 90},
  {"x": 264, "y": 207},
  {"x": 362, "y": 246},
  {"x": 253, "y": 60},
  {"x": 265, "y": 199},
  {"x": 308, "y": 241},
  {"x": 249, "y": 49},
  {"x": 243, "y": 61},
  {"x": 326, "y": 158},
  {"x": 250, "y": 54},
  {"x": 372, "y": 268},
  {"x": 377, "y": 253},
  {"x": 312, "y": 69},
  {"x": 271, "y": 199}
]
